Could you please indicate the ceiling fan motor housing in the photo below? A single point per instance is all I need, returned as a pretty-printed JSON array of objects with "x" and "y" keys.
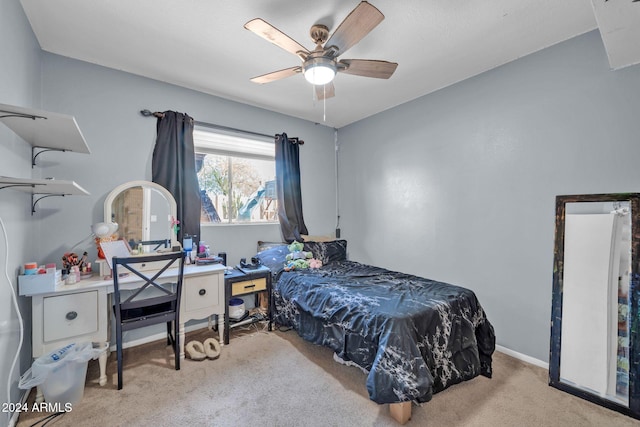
[{"x": 319, "y": 33}]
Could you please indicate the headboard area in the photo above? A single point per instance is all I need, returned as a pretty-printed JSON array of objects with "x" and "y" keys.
[
  {"x": 305, "y": 238},
  {"x": 273, "y": 254},
  {"x": 263, "y": 246}
]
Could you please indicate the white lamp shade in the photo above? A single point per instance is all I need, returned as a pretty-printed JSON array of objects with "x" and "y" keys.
[
  {"x": 319, "y": 70},
  {"x": 104, "y": 229},
  {"x": 319, "y": 75}
]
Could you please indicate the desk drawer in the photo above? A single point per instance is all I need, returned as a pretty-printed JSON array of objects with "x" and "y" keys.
[
  {"x": 70, "y": 315},
  {"x": 247, "y": 286},
  {"x": 201, "y": 292}
]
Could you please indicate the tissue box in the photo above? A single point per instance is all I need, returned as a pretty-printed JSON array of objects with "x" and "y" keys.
[{"x": 39, "y": 283}]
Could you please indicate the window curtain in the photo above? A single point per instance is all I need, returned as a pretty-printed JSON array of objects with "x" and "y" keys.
[
  {"x": 288, "y": 189},
  {"x": 174, "y": 167}
]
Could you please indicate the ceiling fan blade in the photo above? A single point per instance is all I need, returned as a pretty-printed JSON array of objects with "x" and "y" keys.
[
  {"x": 368, "y": 68},
  {"x": 277, "y": 75},
  {"x": 270, "y": 33},
  {"x": 325, "y": 91},
  {"x": 355, "y": 26}
]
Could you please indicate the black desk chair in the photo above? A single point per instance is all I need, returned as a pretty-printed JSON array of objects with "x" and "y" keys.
[{"x": 148, "y": 308}]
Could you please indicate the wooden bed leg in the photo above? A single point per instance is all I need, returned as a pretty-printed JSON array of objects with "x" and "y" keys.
[{"x": 401, "y": 412}]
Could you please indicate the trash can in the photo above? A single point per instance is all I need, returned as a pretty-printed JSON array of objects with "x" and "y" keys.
[
  {"x": 61, "y": 374},
  {"x": 236, "y": 308}
]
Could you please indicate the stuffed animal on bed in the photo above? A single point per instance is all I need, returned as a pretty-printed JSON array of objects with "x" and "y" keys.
[
  {"x": 315, "y": 263},
  {"x": 299, "y": 259},
  {"x": 296, "y": 252}
]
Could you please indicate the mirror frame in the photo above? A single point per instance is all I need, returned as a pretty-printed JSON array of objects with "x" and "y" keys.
[
  {"x": 145, "y": 184},
  {"x": 634, "y": 295}
]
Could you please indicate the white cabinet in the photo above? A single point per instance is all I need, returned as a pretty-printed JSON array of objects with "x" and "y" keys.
[
  {"x": 70, "y": 316},
  {"x": 64, "y": 318},
  {"x": 201, "y": 293},
  {"x": 81, "y": 312},
  {"x": 74, "y": 317},
  {"x": 202, "y": 296}
]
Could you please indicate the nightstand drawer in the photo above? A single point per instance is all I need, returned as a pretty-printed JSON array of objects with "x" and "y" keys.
[
  {"x": 70, "y": 315},
  {"x": 247, "y": 286}
]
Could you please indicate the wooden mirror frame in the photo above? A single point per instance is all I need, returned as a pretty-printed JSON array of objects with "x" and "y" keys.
[
  {"x": 634, "y": 295},
  {"x": 145, "y": 184}
]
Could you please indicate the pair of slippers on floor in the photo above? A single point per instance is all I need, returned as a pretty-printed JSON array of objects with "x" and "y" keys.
[{"x": 209, "y": 349}]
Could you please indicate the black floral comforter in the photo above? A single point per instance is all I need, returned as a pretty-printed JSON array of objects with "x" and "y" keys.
[{"x": 414, "y": 336}]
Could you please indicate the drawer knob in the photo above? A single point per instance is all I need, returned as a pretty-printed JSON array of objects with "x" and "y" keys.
[
  {"x": 202, "y": 291},
  {"x": 71, "y": 315}
]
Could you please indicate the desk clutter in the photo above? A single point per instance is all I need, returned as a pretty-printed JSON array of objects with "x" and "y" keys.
[
  {"x": 38, "y": 279},
  {"x": 39, "y": 283},
  {"x": 44, "y": 278}
]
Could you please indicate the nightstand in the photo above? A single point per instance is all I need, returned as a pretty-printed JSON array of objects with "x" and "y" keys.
[{"x": 246, "y": 282}]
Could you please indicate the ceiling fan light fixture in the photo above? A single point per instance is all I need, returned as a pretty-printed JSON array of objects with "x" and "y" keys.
[{"x": 319, "y": 71}]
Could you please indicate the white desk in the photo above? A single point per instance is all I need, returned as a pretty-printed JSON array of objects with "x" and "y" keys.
[{"x": 81, "y": 312}]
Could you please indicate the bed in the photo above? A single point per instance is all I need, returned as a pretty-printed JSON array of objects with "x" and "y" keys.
[{"x": 413, "y": 336}]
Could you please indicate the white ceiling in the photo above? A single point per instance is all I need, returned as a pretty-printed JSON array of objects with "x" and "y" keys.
[{"x": 202, "y": 45}]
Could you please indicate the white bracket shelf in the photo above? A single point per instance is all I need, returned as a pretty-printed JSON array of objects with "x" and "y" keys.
[
  {"x": 42, "y": 188},
  {"x": 43, "y": 130}
]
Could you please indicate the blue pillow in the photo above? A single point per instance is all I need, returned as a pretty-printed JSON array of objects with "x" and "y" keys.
[{"x": 274, "y": 257}]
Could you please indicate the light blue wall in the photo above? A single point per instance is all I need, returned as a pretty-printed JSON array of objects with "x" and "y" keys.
[
  {"x": 19, "y": 85},
  {"x": 457, "y": 186},
  {"x": 106, "y": 104},
  {"x": 460, "y": 185}
]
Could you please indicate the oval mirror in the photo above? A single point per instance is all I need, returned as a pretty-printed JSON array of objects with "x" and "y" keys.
[{"x": 145, "y": 214}]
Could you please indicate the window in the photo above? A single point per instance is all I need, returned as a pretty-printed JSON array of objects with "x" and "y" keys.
[{"x": 236, "y": 176}]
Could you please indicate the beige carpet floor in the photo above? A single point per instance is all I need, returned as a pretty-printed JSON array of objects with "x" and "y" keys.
[{"x": 277, "y": 379}]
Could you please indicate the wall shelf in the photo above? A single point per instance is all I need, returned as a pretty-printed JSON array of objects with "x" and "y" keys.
[
  {"x": 43, "y": 130},
  {"x": 42, "y": 188}
]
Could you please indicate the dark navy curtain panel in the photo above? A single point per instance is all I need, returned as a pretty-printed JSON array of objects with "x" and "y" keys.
[
  {"x": 174, "y": 167},
  {"x": 288, "y": 188}
]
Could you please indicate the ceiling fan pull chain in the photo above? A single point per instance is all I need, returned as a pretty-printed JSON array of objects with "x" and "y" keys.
[{"x": 324, "y": 103}]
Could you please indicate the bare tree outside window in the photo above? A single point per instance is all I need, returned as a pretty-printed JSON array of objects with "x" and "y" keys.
[{"x": 236, "y": 188}]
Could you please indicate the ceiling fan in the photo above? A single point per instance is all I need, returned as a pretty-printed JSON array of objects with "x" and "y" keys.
[{"x": 320, "y": 65}]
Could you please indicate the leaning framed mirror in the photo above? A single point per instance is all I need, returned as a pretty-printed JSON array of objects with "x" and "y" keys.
[
  {"x": 595, "y": 336},
  {"x": 145, "y": 213}
]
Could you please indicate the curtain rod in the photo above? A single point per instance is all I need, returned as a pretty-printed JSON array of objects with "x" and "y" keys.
[{"x": 159, "y": 114}]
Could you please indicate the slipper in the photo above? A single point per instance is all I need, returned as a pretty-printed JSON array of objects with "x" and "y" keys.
[
  {"x": 212, "y": 348},
  {"x": 195, "y": 350}
]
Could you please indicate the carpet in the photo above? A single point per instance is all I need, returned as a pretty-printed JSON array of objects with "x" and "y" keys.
[{"x": 277, "y": 379}]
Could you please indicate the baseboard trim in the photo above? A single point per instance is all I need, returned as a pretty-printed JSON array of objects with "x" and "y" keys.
[
  {"x": 14, "y": 418},
  {"x": 522, "y": 357},
  {"x": 201, "y": 325},
  {"x": 159, "y": 336}
]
